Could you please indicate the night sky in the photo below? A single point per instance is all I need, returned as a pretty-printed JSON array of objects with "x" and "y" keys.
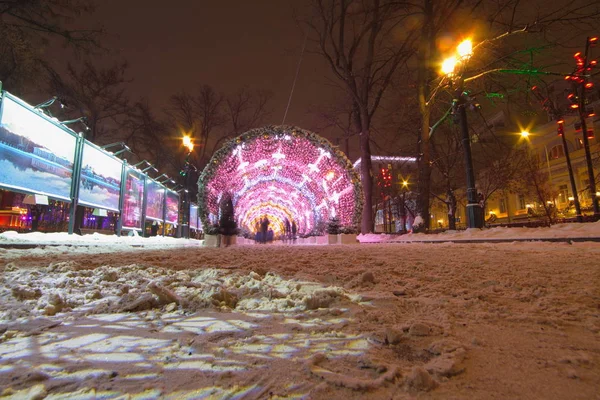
[{"x": 227, "y": 44}]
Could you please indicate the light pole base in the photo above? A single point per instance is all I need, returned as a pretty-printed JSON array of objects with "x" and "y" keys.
[{"x": 474, "y": 216}]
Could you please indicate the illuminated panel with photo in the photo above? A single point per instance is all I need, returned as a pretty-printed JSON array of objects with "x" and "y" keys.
[
  {"x": 133, "y": 198},
  {"x": 36, "y": 154},
  {"x": 155, "y": 195},
  {"x": 172, "y": 207},
  {"x": 100, "y": 178},
  {"x": 194, "y": 216}
]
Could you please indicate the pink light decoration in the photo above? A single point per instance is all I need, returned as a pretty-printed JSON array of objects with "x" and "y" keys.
[{"x": 283, "y": 173}]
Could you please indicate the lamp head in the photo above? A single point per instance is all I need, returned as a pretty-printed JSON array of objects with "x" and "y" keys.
[
  {"x": 448, "y": 65},
  {"x": 187, "y": 142},
  {"x": 465, "y": 49}
]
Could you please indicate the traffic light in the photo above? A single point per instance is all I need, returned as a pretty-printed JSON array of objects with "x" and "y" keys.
[
  {"x": 561, "y": 128},
  {"x": 574, "y": 100}
]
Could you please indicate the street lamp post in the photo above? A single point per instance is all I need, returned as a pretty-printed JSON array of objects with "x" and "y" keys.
[
  {"x": 474, "y": 211},
  {"x": 403, "y": 205},
  {"x": 185, "y": 172},
  {"x": 556, "y": 113},
  {"x": 460, "y": 102},
  {"x": 585, "y": 65},
  {"x": 561, "y": 133}
]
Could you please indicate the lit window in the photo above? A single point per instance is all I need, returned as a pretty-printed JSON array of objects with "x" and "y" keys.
[
  {"x": 557, "y": 152},
  {"x": 502, "y": 206},
  {"x": 521, "y": 202}
]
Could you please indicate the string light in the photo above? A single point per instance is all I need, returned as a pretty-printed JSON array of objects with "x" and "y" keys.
[{"x": 284, "y": 173}]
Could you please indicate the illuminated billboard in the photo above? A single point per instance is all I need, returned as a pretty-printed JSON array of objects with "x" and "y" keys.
[
  {"x": 194, "y": 216},
  {"x": 36, "y": 154},
  {"x": 100, "y": 178},
  {"x": 155, "y": 195},
  {"x": 172, "y": 207},
  {"x": 133, "y": 198}
]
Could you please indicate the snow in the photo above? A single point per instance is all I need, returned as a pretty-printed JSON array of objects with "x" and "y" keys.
[
  {"x": 99, "y": 316},
  {"x": 572, "y": 230}
]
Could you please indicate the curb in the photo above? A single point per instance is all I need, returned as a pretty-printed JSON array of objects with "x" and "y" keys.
[{"x": 469, "y": 241}]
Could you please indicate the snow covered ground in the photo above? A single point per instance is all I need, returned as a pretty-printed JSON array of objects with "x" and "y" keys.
[{"x": 98, "y": 316}]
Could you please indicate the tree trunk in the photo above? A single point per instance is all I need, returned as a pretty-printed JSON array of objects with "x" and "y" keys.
[
  {"x": 424, "y": 58},
  {"x": 451, "y": 204},
  {"x": 367, "y": 183}
]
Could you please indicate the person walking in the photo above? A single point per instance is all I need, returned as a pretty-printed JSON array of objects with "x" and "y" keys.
[
  {"x": 264, "y": 228},
  {"x": 287, "y": 231}
]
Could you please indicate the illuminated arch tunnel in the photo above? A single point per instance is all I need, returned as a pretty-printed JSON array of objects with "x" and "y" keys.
[{"x": 284, "y": 173}]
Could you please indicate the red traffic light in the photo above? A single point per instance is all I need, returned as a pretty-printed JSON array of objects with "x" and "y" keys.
[{"x": 560, "y": 129}]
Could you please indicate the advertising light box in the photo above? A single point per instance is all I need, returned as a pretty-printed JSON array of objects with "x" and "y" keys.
[
  {"x": 36, "y": 154},
  {"x": 172, "y": 207},
  {"x": 100, "y": 178},
  {"x": 155, "y": 198},
  {"x": 194, "y": 216},
  {"x": 133, "y": 198}
]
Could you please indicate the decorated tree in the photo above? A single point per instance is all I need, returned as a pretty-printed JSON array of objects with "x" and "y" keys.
[{"x": 227, "y": 224}]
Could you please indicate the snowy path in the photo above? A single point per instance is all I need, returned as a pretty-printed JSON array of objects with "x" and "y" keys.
[{"x": 518, "y": 320}]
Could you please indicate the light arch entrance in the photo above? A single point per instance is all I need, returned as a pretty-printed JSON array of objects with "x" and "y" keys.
[{"x": 284, "y": 173}]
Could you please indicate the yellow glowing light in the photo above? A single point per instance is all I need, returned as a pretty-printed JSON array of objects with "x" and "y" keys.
[
  {"x": 330, "y": 175},
  {"x": 187, "y": 142},
  {"x": 492, "y": 213},
  {"x": 524, "y": 134},
  {"x": 404, "y": 183},
  {"x": 448, "y": 65},
  {"x": 465, "y": 48}
]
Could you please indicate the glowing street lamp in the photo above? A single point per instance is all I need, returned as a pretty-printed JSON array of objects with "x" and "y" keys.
[
  {"x": 465, "y": 49},
  {"x": 185, "y": 172},
  {"x": 448, "y": 66},
  {"x": 463, "y": 52},
  {"x": 187, "y": 142}
]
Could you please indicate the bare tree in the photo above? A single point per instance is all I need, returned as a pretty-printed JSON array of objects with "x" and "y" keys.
[
  {"x": 98, "y": 94},
  {"x": 340, "y": 117},
  {"x": 247, "y": 109},
  {"x": 147, "y": 136},
  {"x": 212, "y": 118},
  {"x": 244, "y": 110},
  {"x": 533, "y": 182},
  {"x": 447, "y": 165},
  {"x": 27, "y": 28},
  {"x": 198, "y": 114},
  {"x": 360, "y": 41}
]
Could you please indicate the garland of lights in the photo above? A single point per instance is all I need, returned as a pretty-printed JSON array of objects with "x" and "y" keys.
[{"x": 283, "y": 172}]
